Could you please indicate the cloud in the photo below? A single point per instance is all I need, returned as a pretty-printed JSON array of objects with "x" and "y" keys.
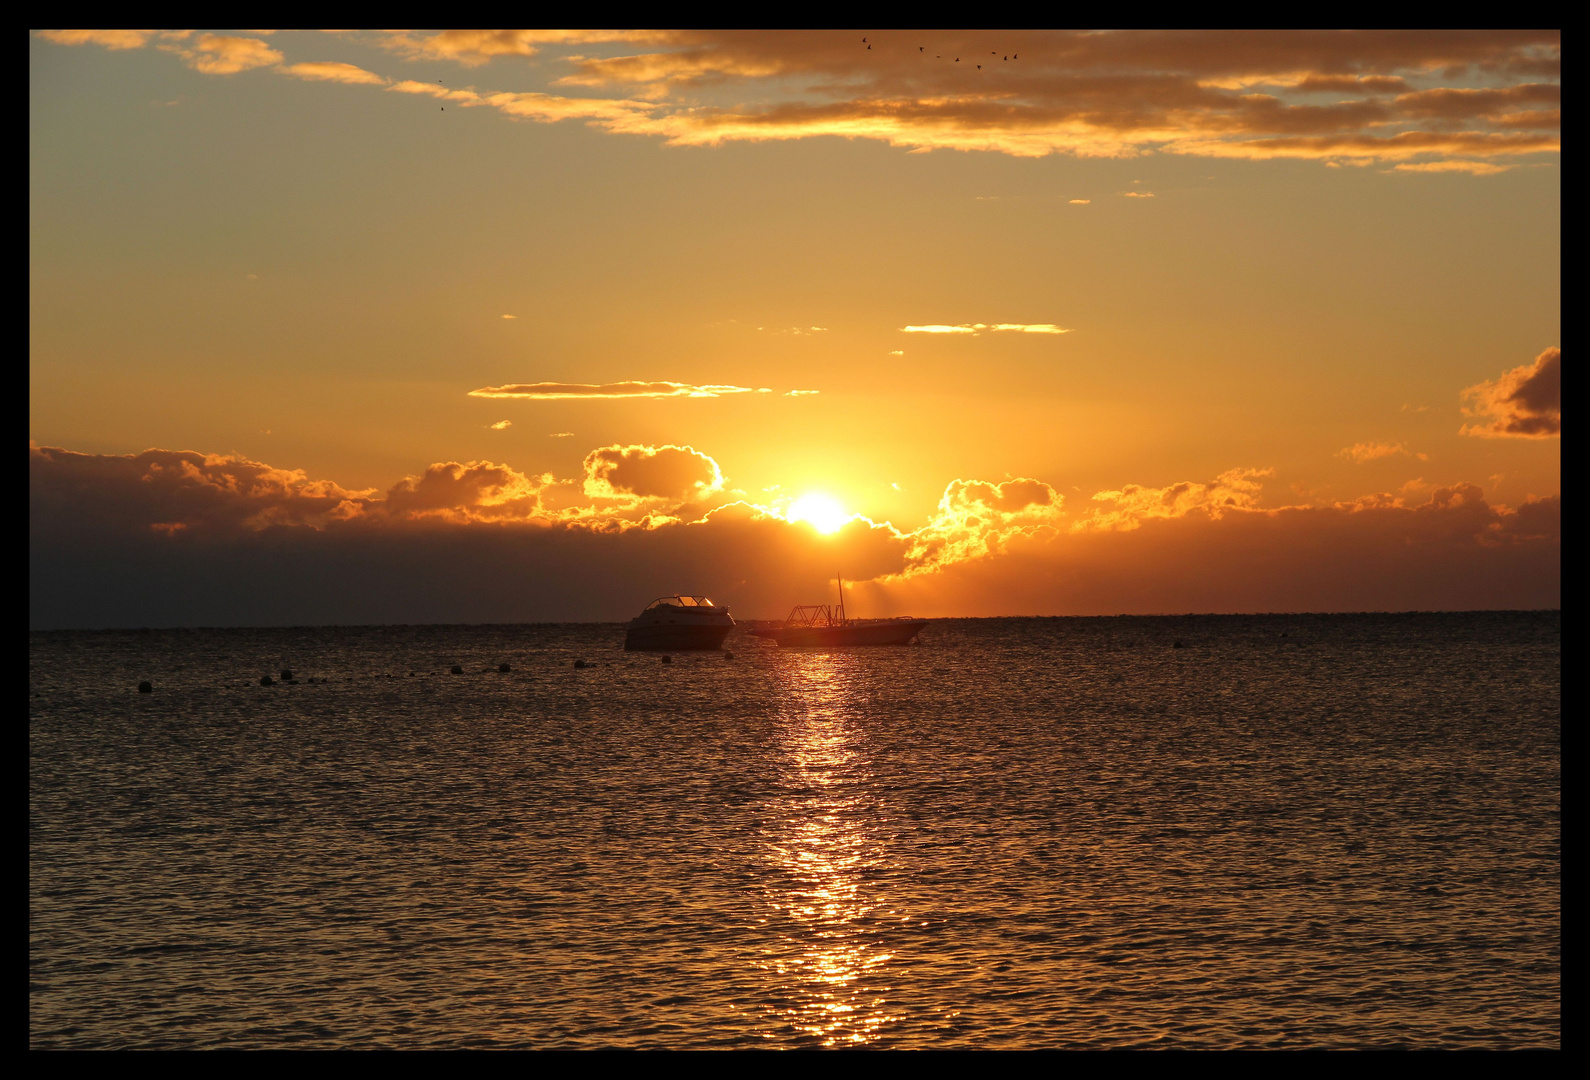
[
  {"x": 676, "y": 473},
  {"x": 469, "y": 491},
  {"x": 1137, "y": 194},
  {"x": 501, "y": 425},
  {"x": 1129, "y": 507},
  {"x": 1472, "y": 168},
  {"x": 473, "y": 48},
  {"x": 181, "y": 538},
  {"x": 976, "y": 519},
  {"x": 800, "y": 393},
  {"x": 109, "y": 39},
  {"x": 1399, "y": 97},
  {"x": 170, "y": 490},
  {"x": 221, "y": 54},
  {"x": 510, "y": 316},
  {"x": 1524, "y": 403},
  {"x": 548, "y": 391},
  {"x": 1360, "y": 453},
  {"x": 1080, "y": 202},
  {"x": 329, "y": 71},
  {"x": 977, "y": 328}
]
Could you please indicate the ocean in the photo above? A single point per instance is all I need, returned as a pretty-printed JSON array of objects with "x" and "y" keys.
[{"x": 1299, "y": 831}]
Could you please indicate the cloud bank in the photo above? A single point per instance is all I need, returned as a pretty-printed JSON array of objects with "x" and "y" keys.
[
  {"x": 181, "y": 538},
  {"x": 1474, "y": 102}
]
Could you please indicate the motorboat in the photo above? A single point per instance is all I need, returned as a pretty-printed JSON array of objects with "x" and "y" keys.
[
  {"x": 677, "y": 623},
  {"x": 827, "y": 625}
]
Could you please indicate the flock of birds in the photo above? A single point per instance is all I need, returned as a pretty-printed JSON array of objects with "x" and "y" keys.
[{"x": 923, "y": 49}]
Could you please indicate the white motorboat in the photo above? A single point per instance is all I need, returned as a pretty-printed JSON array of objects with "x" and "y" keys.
[{"x": 679, "y": 622}]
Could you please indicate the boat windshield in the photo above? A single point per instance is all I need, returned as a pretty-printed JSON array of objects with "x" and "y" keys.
[{"x": 680, "y": 601}]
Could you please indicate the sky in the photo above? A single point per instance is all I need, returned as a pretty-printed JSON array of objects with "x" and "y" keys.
[{"x": 521, "y": 326}]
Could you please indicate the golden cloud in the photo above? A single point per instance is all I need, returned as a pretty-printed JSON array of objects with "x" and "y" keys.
[
  {"x": 222, "y": 54},
  {"x": 326, "y": 71},
  {"x": 1524, "y": 403},
  {"x": 549, "y": 391},
  {"x": 977, "y": 328},
  {"x": 109, "y": 39},
  {"x": 1360, "y": 453},
  {"x": 675, "y": 473}
]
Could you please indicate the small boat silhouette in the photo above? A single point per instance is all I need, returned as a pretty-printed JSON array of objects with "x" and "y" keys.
[
  {"x": 679, "y": 622},
  {"x": 825, "y": 625}
]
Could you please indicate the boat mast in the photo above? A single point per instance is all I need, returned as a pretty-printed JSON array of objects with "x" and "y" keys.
[{"x": 841, "y": 600}]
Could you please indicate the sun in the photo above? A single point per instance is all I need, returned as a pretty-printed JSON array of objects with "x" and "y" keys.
[{"x": 820, "y": 511}]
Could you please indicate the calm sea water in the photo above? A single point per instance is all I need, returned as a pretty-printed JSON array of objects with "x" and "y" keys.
[{"x": 1300, "y": 831}]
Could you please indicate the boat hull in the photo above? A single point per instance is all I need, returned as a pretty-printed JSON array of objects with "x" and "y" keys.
[
  {"x": 882, "y": 632},
  {"x": 674, "y": 638}
]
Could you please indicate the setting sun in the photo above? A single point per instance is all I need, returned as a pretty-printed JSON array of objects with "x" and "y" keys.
[{"x": 820, "y": 511}]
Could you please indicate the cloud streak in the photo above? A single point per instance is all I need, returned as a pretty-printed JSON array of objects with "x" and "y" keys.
[
  {"x": 977, "y": 328},
  {"x": 551, "y": 391}
]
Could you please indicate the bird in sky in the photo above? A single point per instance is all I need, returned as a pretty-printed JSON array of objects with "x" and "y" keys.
[{"x": 921, "y": 48}]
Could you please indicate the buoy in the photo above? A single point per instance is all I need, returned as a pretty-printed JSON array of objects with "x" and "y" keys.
[
  {"x": 667, "y": 659},
  {"x": 457, "y": 670},
  {"x": 286, "y": 674},
  {"x": 1179, "y": 644},
  {"x": 266, "y": 680},
  {"x": 503, "y": 669},
  {"x": 728, "y": 655},
  {"x": 146, "y": 688}
]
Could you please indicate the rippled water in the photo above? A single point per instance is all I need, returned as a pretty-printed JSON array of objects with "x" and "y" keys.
[{"x": 1305, "y": 831}]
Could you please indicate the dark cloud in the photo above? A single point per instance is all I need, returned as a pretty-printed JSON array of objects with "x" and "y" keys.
[{"x": 1525, "y": 403}]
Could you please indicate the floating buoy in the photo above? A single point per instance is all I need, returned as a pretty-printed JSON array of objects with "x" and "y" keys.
[
  {"x": 146, "y": 688},
  {"x": 579, "y": 663},
  {"x": 286, "y": 674},
  {"x": 503, "y": 669},
  {"x": 457, "y": 670},
  {"x": 1179, "y": 644},
  {"x": 266, "y": 680},
  {"x": 667, "y": 659},
  {"x": 728, "y": 655}
]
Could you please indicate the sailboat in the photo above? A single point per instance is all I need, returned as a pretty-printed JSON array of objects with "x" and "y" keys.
[{"x": 826, "y": 625}]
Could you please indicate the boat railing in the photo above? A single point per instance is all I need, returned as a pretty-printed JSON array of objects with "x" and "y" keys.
[{"x": 816, "y": 615}]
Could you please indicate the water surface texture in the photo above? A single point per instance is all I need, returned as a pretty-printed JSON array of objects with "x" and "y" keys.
[{"x": 1298, "y": 831}]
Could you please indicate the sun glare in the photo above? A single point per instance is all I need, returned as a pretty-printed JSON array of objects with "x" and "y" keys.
[{"x": 821, "y": 512}]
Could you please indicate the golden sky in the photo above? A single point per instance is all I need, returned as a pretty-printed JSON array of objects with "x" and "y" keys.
[{"x": 1057, "y": 322}]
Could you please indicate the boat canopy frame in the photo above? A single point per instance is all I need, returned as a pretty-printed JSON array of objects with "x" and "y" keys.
[{"x": 681, "y": 601}]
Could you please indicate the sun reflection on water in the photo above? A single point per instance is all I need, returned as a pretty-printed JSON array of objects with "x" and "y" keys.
[{"x": 829, "y": 967}]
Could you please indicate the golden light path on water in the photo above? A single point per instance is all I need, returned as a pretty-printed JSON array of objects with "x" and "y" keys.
[{"x": 822, "y": 844}]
